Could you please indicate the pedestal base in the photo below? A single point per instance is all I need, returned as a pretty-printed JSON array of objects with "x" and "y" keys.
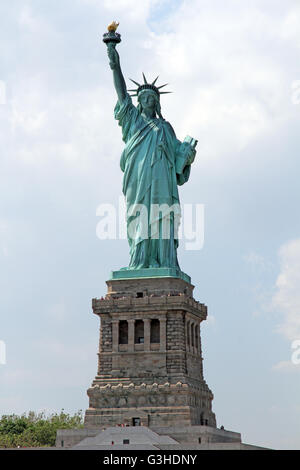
[
  {"x": 150, "y": 360},
  {"x": 166, "y": 438},
  {"x": 150, "y": 273}
]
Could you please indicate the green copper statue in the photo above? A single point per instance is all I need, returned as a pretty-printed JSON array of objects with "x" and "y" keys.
[{"x": 154, "y": 163}]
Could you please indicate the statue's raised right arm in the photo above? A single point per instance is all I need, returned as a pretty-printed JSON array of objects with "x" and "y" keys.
[{"x": 114, "y": 62}]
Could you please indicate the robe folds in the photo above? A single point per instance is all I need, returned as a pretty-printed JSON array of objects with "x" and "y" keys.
[{"x": 151, "y": 176}]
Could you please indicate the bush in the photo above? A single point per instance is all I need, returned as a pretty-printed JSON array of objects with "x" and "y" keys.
[
  {"x": 12, "y": 424},
  {"x": 35, "y": 429}
]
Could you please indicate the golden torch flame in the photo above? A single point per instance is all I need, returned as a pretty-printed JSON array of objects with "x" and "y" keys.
[{"x": 113, "y": 26}]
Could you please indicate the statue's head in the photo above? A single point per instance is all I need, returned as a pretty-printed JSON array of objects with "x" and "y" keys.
[
  {"x": 148, "y": 96},
  {"x": 149, "y": 100}
]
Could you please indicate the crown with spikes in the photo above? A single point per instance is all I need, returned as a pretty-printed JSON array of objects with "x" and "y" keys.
[{"x": 148, "y": 86}]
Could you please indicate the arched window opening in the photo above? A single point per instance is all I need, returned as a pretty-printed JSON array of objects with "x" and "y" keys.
[
  {"x": 139, "y": 332},
  {"x": 123, "y": 332},
  {"x": 155, "y": 331}
]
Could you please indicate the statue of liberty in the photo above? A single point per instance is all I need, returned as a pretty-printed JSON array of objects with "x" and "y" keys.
[{"x": 154, "y": 163}]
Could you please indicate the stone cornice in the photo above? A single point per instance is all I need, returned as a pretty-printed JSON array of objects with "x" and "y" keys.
[{"x": 149, "y": 304}]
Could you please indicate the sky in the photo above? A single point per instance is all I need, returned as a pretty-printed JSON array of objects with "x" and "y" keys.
[{"x": 233, "y": 68}]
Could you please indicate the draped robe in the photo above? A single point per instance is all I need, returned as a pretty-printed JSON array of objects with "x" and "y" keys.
[{"x": 150, "y": 181}]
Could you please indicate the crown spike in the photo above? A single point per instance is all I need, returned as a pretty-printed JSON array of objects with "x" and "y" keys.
[
  {"x": 161, "y": 86},
  {"x": 135, "y": 82},
  {"x": 147, "y": 86}
]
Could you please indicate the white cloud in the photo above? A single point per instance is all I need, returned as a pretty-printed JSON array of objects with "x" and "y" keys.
[
  {"x": 256, "y": 261},
  {"x": 129, "y": 13},
  {"x": 286, "y": 366},
  {"x": 4, "y": 237},
  {"x": 228, "y": 91},
  {"x": 286, "y": 299},
  {"x": 291, "y": 26},
  {"x": 30, "y": 21},
  {"x": 71, "y": 127},
  {"x": 16, "y": 235},
  {"x": 228, "y": 88}
]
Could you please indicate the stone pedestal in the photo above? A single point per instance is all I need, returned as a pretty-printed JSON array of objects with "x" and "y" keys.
[{"x": 150, "y": 362}]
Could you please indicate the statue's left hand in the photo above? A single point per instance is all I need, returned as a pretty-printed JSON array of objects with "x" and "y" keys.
[
  {"x": 189, "y": 152},
  {"x": 192, "y": 155}
]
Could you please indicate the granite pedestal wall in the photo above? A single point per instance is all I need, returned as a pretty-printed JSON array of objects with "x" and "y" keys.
[{"x": 150, "y": 368}]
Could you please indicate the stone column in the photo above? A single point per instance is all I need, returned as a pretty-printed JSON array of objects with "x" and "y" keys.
[
  {"x": 193, "y": 337},
  {"x": 115, "y": 335},
  {"x": 131, "y": 322},
  {"x": 163, "y": 333},
  {"x": 200, "y": 353},
  {"x": 187, "y": 335},
  {"x": 146, "y": 334},
  {"x": 197, "y": 339},
  {"x": 199, "y": 342}
]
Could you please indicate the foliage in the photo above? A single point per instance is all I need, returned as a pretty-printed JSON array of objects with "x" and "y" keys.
[{"x": 35, "y": 429}]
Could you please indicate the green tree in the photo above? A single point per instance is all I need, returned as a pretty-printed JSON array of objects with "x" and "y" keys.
[
  {"x": 13, "y": 424},
  {"x": 35, "y": 429}
]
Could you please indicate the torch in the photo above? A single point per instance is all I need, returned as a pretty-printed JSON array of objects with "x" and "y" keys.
[{"x": 112, "y": 37}]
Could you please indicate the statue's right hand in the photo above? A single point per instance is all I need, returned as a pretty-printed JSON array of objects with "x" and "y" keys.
[{"x": 113, "y": 56}]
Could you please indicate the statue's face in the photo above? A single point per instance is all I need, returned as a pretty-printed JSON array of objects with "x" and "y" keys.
[{"x": 148, "y": 101}]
